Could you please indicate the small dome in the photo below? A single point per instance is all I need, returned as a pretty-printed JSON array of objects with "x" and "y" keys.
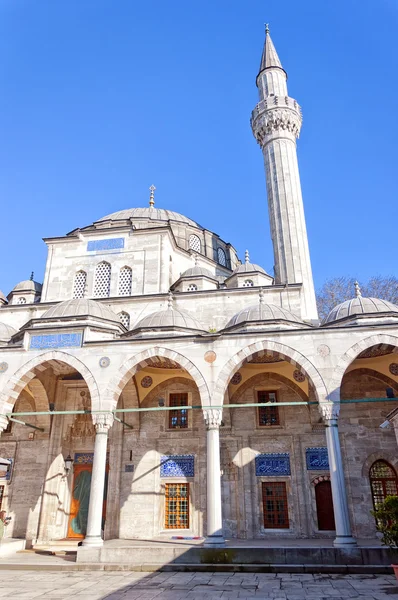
[
  {"x": 81, "y": 307},
  {"x": 360, "y": 306},
  {"x": 248, "y": 267},
  {"x": 149, "y": 213},
  {"x": 28, "y": 286},
  {"x": 6, "y": 332},
  {"x": 3, "y": 299},
  {"x": 197, "y": 271},
  {"x": 262, "y": 312},
  {"x": 170, "y": 317}
]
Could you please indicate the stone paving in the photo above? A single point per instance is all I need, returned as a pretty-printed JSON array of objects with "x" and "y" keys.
[{"x": 55, "y": 585}]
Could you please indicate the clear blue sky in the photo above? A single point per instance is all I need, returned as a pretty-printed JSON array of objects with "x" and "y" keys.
[{"x": 101, "y": 98}]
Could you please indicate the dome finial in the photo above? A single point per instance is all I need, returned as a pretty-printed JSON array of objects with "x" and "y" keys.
[
  {"x": 196, "y": 259},
  {"x": 31, "y": 276},
  {"x": 358, "y": 292},
  {"x": 247, "y": 257},
  {"x": 266, "y": 27},
  {"x": 152, "y": 196},
  {"x": 261, "y": 296},
  {"x": 170, "y": 301}
]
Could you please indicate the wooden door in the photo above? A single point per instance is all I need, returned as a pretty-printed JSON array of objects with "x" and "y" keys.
[
  {"x": 324, "y": 506},
  {"x": 80, "y": 499}
]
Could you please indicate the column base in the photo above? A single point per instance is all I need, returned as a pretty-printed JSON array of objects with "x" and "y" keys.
[
  {"x": 214, "y": 541},
  {"x": 344, "y": 541},
  {"x": 93, "y": 541}
]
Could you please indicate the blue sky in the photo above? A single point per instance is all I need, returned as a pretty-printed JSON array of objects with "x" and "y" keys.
[{"x": 102, "y": 98}]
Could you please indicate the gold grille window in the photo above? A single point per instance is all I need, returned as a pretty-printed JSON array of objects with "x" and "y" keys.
[
  {"x": 177, "y": 506},
  {"x": 276, "y": 515},
  {"x": 383, "y": 482},
  {"x": 267, "y": 415},
  {"x": 178, "y": 419}
]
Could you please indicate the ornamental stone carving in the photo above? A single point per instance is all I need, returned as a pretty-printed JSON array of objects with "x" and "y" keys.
[
  {"x": 3, "y": 423},
  {"x": 212, "y": 417},
  {"x": 281, "y": 116},
  {"x": 102, "y": 422},
  {"x": 329, "y": 410}
]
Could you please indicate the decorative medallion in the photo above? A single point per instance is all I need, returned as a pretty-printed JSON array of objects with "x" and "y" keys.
[
  {"x": 393, "y": 368},
  {"x": 3, "y": 367},
  {"x": 323, "y": 350},
  {"x": 236, "y": 379},
  {"x": 104, "y": 362},
  {"x": 299, "y": 376},
  {"x": 146, "y": 381},
  {"x": 210, "y": 356}
]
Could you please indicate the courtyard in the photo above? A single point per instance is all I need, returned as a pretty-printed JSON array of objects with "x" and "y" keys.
[{"x": 57, "y": 585}]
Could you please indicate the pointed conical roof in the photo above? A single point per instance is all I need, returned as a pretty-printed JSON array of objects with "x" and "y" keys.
[{"x": 270, "y": 58}]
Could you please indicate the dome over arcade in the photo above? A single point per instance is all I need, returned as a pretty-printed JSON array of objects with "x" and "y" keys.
[
  {"x": 197, "y": 271},
  {"x": 360, "y": 307},
  {"x": 6, "y": 332},
  {"x": 81, "y": 307},
  {"x": 248, "y": 267},
  {"x": 150, "y": 214},
  {"x": 171, "y": 318}
]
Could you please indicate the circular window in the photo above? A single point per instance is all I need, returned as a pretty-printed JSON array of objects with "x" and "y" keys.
[
  {"x": 192, "y": 287},
  {"x": 247, "y": 283},
  {"x": 221, "y": 257},
  {"x": 21, "y": 300}
]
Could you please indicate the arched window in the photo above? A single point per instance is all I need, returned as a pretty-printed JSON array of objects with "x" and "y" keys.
[
  {"x": 102, "y": 283},
  {"x": 125, "y": 281},
  {"x": 221, "y": 257},
  {"x": 21, "y": 300},
  {"x": 79, "y": 284},
  {"x": 194, "y": 243},
  {"x": 125, "y": 319},
  {"x": 247, "y": 283},
  {"x": 383, "y": 482},
  {"x": 192, "y": 287}
]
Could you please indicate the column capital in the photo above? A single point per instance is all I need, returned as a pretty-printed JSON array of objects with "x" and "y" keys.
[
  {"x": 212, "y": 417},
  {"x": 329, "y": 410},
  {"x": 103, "y": 422}
]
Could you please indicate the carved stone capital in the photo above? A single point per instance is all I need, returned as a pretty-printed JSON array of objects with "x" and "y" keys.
[
  {"x": 3, "y": 423},
  {"x": 213, "y": 417},
  {"x": 102, "y": 422},
  {"x": 274, "y": 121},
  {"x": 329, "y": 410}
]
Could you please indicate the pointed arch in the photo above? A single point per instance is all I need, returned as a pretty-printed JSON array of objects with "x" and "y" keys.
[
  {"x": 125, "y": 281},
  {"x": 130, "y": 367},
  {"x": 79, "y": 284},
  {"x": 286, "y": 352},
  {"x": 26, "y": 373},
  {"x": 102, "y": 280}
]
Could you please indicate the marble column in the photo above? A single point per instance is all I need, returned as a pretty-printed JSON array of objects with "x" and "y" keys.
[
  {"x": 344, "y": 538},
  {"x": 215, "y": 535},
  {"x": 102, "y": 423}
]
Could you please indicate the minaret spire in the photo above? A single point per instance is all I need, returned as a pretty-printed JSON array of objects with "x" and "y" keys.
[{"x": 276, "y": 123}]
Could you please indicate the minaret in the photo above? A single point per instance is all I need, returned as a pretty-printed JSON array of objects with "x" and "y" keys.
[{"x": 276, "y": 124}]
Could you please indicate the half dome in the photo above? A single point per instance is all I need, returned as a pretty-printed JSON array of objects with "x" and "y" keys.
[
  {"x": 81, "y": 307},
  {"x": 6, "y": 332},
  {"x": 360, "y": 306}
]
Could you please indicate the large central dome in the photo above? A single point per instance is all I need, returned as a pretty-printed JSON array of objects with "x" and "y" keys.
[{"x": 149, "y": 213}]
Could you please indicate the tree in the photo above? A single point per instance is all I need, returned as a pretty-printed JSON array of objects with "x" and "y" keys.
[{"x": 339, "y": 289}]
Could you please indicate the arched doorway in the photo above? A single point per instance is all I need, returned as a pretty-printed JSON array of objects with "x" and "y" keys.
[
  {"x": 324, "y": 506},
  {"x": 383, "y": 482}
]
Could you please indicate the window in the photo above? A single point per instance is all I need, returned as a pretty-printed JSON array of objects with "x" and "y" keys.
[
  {"x": 221, "y": 257},
  {"x": 276, "y": 515},
  {"x": 79, "y": 285},
  {"x": 125, "y": 319},
  {"x": 192, "y": 287},
  {"x": 247, "y": 283},
  {"x": 194, "y": 243},
  {"x": 178, "y": 419},
  {"x": 21, "y": 300},
  {"x": 102, "y": 284},
  {"x": 267, "y": 415},
  {"x": 125, "y": 281},
  {"x": 177, "y": 506},
  {"x": 383, "y": 482}
]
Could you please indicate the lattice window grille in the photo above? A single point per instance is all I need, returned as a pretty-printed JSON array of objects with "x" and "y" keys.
[
  {"x": 192, "y": 287},
  {"x": 79, "y": 285},
  {"x": 21, "y": 300},
  {"x": 125, "y": 319},
  {"x": 102, "y": 286},
  {"x": 248, "y": 283},
  {"x": 221, "y": 257},
  {"x": 194, "y": 243},
  {"x": 125, "y": 281}
]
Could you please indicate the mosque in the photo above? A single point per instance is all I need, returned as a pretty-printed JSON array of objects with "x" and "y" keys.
[{"x": 155, "y": 386}]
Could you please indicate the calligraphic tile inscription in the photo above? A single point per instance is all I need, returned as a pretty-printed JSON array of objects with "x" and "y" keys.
[
  {"x": 178, "y": 465},
  {"x": 110, "y": 244},
  {"x": 317, "y": 459},
  {"x": 273, "y": 464}
]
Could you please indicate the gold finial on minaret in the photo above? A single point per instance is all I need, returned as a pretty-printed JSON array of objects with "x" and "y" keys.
[
  {"x": 358, "y": 292},
  {"x": 152, "y": 196},
  {"x": 266, "y": 27}
]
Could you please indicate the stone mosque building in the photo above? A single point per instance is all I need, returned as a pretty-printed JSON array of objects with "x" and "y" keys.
[{"x": 156, "y": 386}]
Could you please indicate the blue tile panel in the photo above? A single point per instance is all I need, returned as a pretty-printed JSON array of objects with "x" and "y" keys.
[
  {"x": 84, "y": 458},
  {"x": 111, "y": 244},
  {"x": 272, "y": 464},
  {"x": 55, "y": 340},
  {"x": 179, "y": 465},
  {"x": 317, "y": 459}
]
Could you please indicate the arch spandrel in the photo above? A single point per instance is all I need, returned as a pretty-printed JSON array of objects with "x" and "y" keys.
[
  {"x": 130, "y": 367},
  {"x": 286, "y": 352},
  {"x": 17, "y": 382}
]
